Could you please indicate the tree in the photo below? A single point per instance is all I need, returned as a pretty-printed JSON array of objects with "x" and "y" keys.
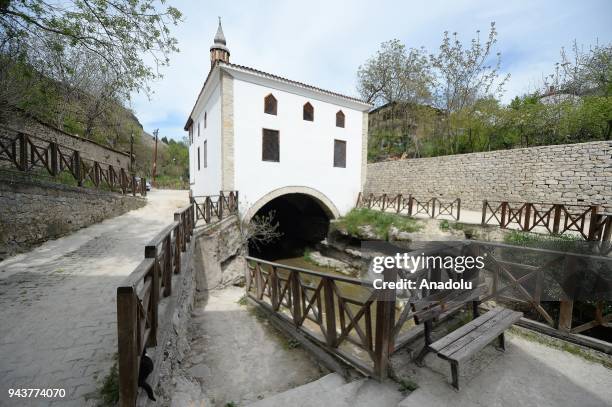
[
  {"x": 463, "y": 75},
  {"x": 395, "y": 74},
  {"x": 121, "y": 34}
]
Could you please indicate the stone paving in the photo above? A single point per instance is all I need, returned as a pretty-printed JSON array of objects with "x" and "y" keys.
[{"x": 57, "y": 302}]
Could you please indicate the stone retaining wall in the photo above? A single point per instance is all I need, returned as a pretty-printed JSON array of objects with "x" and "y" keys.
[
  {"x": 32, "y": 212},
  {"x": 88, "y": 149},
  {"x": 567, "y": 174}
]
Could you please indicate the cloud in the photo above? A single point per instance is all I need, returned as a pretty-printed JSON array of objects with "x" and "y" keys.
[{"x": 324, "y": 42}]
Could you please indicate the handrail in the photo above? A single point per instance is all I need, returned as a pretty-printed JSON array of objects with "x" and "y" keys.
[
  {"x": 27, "y": 152},
  {"x": 411, "y": 205},
  {"x": 139, "y": 295}
]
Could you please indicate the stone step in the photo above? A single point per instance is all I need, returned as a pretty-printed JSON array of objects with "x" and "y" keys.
[
  {"x": 298, "y": 395},
  {"x": 332, "y": 391}
]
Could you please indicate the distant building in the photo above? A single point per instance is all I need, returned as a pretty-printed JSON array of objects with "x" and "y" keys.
[{"x": 264, "y": 136}]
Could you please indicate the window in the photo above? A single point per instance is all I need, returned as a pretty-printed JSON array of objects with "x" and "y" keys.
[
  {"x": 198, "y": 158},
  {"x": 270, "y": 150},
  {"x": 205, "y": 119},
  {"x": 340, "y": 153},
  {"x": 190, "y": 135},
  {"x": 308, "y": 112},
  {"x": 198, "y": 129},
  {"x": 270, "y": 104},
  {"x": 205, "y": 153},
  {"x": 339, "y": 119}
]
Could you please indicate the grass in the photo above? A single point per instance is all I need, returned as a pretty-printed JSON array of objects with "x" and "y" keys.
[
  {"x": 242, "y": 301},
  {"x": 231, "y": 404},
  {"x": 308, "y": 256},
  {"x": 446, "y": 225},
  {"x": 407, "y": 386},
  {"x": 109, "y": 392},
  {"x": 591, "y": 356},
  {"x": 380, "y": 222},
  {"x": 571, "y": 243}
]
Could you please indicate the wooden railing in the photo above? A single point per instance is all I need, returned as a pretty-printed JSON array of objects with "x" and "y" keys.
[
  {"x": 587, "y": 221},
  {"x": 358, "y": 330},
  {"x": 213, "y": 208},
  {"x": 362, "y": 326},
  {"x": 28, "y": 153},
  {"x": 411, "y": 205},
  {"x": 139, "y": 295}
]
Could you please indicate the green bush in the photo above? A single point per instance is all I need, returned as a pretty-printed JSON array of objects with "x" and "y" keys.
[{"x": 380, "y": 222}]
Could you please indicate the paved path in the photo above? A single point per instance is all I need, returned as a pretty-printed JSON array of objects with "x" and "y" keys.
[{"x": 57, "y": 304}]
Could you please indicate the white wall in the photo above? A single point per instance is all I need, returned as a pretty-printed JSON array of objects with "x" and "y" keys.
[
  {"x": 207, "y": 181},
  {"x": 306, "y": 148}
]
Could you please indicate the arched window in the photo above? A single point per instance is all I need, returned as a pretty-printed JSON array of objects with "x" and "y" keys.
[
  {"x": 339, "y": 119},
  {"x": 270, "y": 104},
  {"x": 308, "y": 112}
]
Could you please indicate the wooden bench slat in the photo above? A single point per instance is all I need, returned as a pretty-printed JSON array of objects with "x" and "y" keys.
[
  {"x": 481, "y": 337},
  {"x": 461, "y": 298},
  {"x": 465, "y": 329}
]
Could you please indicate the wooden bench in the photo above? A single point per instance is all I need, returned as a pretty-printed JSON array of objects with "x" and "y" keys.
[{"x": 463, "y": 343}]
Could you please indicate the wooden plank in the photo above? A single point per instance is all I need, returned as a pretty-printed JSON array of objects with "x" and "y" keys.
[
  {"x": 465, "y": 329},
  {"x": 482, "y": 337}
]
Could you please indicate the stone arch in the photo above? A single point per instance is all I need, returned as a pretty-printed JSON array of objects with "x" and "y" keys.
[{"x": 324, "y": 202}]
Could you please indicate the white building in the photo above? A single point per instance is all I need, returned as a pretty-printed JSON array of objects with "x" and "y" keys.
[{"x": 267, "y": 136}]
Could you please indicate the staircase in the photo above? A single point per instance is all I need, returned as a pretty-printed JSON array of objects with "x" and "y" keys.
[{"x": 333, "y": 391}]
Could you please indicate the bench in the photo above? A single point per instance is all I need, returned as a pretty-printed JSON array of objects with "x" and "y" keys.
[{"x": 463, "y": 343}]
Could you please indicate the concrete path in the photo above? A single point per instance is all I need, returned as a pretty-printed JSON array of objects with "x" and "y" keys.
[
  {"x": 57, "y": 304},
  {"x": 236, "y": 357},
  {"x": 528, "y": 373}
]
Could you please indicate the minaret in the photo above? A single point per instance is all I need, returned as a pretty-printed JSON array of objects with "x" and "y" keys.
[{"x": 218, "y": 51}]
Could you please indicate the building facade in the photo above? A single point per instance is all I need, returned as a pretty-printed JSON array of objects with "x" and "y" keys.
[{"x": 264, "y": 135}]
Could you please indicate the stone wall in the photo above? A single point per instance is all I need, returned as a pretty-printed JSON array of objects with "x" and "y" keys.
[
  {"x": 567, "y": 174},
  {"x": 32, "y": 212},
  {"x": 88, "y": 149}
]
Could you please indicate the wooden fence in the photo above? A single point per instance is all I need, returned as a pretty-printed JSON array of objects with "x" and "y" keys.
[
  {"x": 587, "y": 221},
  {"x": 411, "y": 205},
  {"x": 364, "y": 327},
  {"x": 28, "y": 153},
  {"x": 139, "y": 295},
  {"x": 214, "y": 208}
]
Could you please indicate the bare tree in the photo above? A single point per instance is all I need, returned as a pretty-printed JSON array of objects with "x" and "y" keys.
[{"x": 261, "y": 230}]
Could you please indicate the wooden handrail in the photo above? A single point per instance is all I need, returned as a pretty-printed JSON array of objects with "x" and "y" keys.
[{"x": 138, "y": 298}]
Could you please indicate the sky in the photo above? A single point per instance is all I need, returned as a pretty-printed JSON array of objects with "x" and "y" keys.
[{"x": 323, "y": 43}]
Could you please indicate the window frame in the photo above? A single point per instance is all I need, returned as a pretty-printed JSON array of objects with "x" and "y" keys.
[
  {"x": 340, "y": 115},
  {"x": 205, "y": 119},
  {"x": 263, "y": 149},
  {"x": 309, "y": 106},
  {"x": 205, "y": 148},
  {"x": 336, "y": 161},
  {"x": 198, "y": 158},
  {"x": 274, "y": 110}
]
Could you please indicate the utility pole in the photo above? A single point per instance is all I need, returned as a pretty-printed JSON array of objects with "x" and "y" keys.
[
  {"x": 132, "y": 152},
  {"x": 155, "y": 132}
]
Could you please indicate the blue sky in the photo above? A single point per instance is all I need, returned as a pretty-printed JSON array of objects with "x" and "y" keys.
[{"x": 324, "y": 42}]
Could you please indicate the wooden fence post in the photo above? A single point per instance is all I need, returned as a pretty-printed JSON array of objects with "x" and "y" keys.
[
  {"x": 504, "y": 209},
  {"x": 167, "y": 271},
  {"x": 151, "y": 253},
  {"x": 526, "y": 221},
  {"x": 593, "y": 223},
  {"x": 566, "y": 308},
  {"x": 273, "y": 281},
  {"x": 410, "y": 203},
  {"x": 385, "y": 321},
  {"x": 484, "y": 212},
  {"x": 220, "y": 205},
  {"x": 399, "y": 203},
  {"x": 76, "y": 162},
  {"x": 433, "y": 208},
  {"x": 330, "y": 312},
  {"x": 53, "y": 161},
  {"x": 23, "y": 152},
  {"x": 358, "y": 200},
  {"x": 127, "y": 345},
  {"x": 556, "y": 218},
  {"x": 384, "y": 202},
  {"x": 96, "y": 168},
  {"x": 458, "y": 208},
  {"x": 295, "y": 298}
]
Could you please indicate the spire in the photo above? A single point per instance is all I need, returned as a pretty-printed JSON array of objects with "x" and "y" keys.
[
  {"x": 219, "y": 50},
  {"x": 219, "y": 37}
]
